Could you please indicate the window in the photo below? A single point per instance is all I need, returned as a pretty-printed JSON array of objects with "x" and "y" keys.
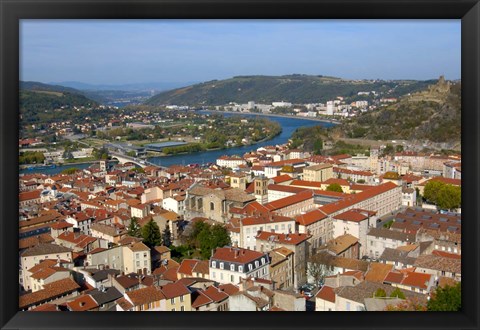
[
  {"x": 145, "y": 263},
  {"x": 240, "y": 269},
  {"x": 263, "y": 261},
  {"x": 256, "y": 264},
  {"x": 181, "y": 298},
  {"x": 213, "y": 274},
  {"x": 214, "y": 264},
  {"x": 232, "y": 268},
  {"x": 137, "y": 255},
  {"x": 250, "y": 267},
  {"x": 182, "y": 308},
  {"x": 138, "y": 263},
  {"x": 172, "y": 301},
  {"x": 221, "y": 265},
  {"x": 145, "y": 254},
  {"x": 231, "y": 278},
  {"x": 212, "y": 206},
  {"x": 221, "y": 276}
]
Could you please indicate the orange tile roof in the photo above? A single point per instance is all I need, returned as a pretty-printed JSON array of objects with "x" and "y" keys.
[{"x": 377, "y": 272}]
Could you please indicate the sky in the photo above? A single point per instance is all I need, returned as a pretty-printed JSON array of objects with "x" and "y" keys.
[{"x": 141, "y": 51}]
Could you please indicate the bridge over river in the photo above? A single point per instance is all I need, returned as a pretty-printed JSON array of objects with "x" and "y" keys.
[{"x": 122, "y": 158}]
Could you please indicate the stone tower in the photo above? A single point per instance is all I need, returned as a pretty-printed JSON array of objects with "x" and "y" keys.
[{"x": 261, "y": 189}]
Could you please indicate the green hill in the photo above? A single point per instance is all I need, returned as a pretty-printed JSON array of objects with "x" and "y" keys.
[
  {"x": 433, "y": 114},
  {"x": 42, "y": 103},
  {"x": 291, "y": 88}
]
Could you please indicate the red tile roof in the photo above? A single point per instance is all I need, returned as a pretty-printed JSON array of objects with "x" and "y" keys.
[
  {"x": 145, "y": 295},
  {"x": 357, "y": 198},
  {"x": 237, "y": 255},
  {"x": 446, "y": 254},
  {"x": 50, "y": 291},
  {"x": 186, "y": 266},
  {"x": 172, "y": 290},
  {"x": 310, "y": 217},
  {"x": 290, "y": 200},
  {"x": 283, "y": 188},
  {"x": 281, "y": 178},
  {"x": 229, "y": 288},
  {"x": 29, "y": 195},
  {"x": 263, "y": 219},
  {"x": 291, "y": 239},
  {"x": 418, "y": 280},
  {"x": 355, "y": 215},
  {"x": 215, "y": 294},
  {"x": 301, "y": 183},
  {"x": 199, "y": 298},
  {"x": 82, "y": 303},
  {"x": 326, "y": 293}
]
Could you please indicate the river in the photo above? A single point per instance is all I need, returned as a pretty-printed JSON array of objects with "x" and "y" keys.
[{"x": 289, "y": 125}]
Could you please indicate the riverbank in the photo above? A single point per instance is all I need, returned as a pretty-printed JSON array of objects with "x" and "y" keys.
[{"x": 324, "y": 120}]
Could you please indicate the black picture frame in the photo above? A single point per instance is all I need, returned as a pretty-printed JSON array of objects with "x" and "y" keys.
[{"x": 14, "y": 10}]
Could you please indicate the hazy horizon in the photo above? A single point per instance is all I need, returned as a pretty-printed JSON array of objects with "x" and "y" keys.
[{"x": 125, "y": 52}]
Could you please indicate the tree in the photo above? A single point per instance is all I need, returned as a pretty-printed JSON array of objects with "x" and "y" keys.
[
  {"x": 212, "y": 237},
  {"x": 71, "y": 170},
  {"x": 380, "y": 293},
  {"x": 449, "y": 197},
  {"x": 445, "y": 196},
  {"x": 134, "y": 228},
  {"x": 317, "y": 146},
  {"x": 316, "y": 270},
  {"x": 446, "y": 299},
  {"x": 388, "y": 150},
  {"x": 397, "y": 293},
  {"x": 431, "y": 190},
  {"x": 167, "y": 236},
  {"x": 151, "y": 234},
  {"x": 335, "y": 187}
]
